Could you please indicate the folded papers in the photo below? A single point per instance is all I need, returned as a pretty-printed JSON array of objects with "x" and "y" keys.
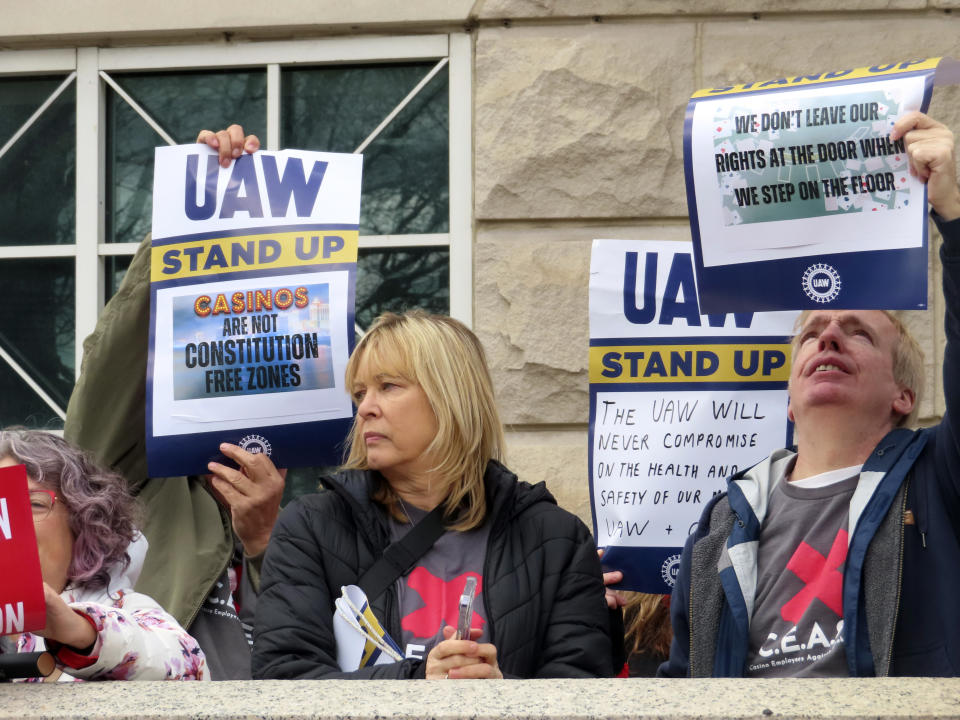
[{"x": 361, "y": 640}]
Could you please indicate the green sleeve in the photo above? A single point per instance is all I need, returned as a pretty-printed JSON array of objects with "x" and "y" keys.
[
  {"x": 106, "y": 410},
  {"x": 190, "y": 537}
]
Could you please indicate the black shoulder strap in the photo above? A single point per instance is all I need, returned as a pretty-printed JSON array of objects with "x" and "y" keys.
[{"x": 400, "y": 556}]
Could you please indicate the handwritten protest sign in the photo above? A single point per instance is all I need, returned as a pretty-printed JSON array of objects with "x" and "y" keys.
[
  {"x": 679, "y": 401},
  {"x": 22, "y": 607},
  {"x": 799, "y": 199},
  {"x": 252, "y": 295}
]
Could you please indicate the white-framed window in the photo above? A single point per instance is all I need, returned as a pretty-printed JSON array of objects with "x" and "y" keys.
[{"x": 77, "y": 132}]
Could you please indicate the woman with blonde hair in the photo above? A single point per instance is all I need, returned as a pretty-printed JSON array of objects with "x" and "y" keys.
[
  {"x": 427, "y": 441},
  {"x": 646, "y": 619}
]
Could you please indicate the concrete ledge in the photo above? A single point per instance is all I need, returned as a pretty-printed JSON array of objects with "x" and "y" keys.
[
  {"x": 95, "y": 20},
  {"x": 553, "y": 699}
]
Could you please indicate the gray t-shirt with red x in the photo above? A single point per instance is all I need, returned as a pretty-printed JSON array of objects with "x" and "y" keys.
[
  {"x": 430, "y": 593},
  {"x": 796, "y": 628}
]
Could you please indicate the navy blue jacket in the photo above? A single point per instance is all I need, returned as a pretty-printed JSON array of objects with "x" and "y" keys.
[{"x": 901, "y": 585}]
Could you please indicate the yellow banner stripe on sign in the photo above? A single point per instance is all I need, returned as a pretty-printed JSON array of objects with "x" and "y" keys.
[
  {"x": 690, "y": 363},
  {"x": 825, "y": 77},
  {"x": 194, "y": 258}
]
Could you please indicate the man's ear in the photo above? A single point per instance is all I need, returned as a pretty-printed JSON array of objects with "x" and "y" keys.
[{"x": 904, "y": 401}]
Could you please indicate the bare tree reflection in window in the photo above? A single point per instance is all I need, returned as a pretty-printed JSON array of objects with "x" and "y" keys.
[
  {"x": 398, "y": 280},
  {"x": 115, "y": 269},
  {"x": 38, "y": 172},
  {"x": 182, "y": 103},
  {"x": 37, "y": 207},
  {"x": 405, "y": 170},
  {"x": 38, "y": 331}
]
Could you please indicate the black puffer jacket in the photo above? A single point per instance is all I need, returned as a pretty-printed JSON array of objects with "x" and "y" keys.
[{"x": 543, "y": 591}]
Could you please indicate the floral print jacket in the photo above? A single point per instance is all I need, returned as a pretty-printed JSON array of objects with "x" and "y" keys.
[{"x": 136, "y": 638}]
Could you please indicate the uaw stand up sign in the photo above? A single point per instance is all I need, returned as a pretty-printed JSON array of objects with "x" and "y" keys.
[
  {"x": 679, "y": 401},
  {"x": 253, "y": 272},
  {"x": 798, "y": 198}
]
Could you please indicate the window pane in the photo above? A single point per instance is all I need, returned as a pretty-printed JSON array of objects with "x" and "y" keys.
[
  {"x": 38, "y": 331},
  {"x": 398, "y": 280},
  {"x": 37, "y": 173},
  {"x": 405, "y": 170},
  {"x": 182, "y": 104},
  {"x": 115, "y": 267},
  {"x": 21, "y": 405}
]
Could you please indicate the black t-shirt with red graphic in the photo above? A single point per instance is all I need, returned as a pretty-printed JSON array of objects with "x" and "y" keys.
[
  {"x": 430, "y": 593},
  {"x": 797, "y": 619}
]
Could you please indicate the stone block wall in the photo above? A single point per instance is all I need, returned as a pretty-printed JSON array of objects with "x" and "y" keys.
[{"x": 578, "y": 122}]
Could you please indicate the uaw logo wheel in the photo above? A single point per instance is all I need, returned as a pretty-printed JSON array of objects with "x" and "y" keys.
[
  {"x": 255, "y": 444},
  {"x": 670, "y": 569},
  {"x": 821, "y": 283}
]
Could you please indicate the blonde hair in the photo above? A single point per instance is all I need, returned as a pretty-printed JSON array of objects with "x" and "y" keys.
[
  {"x": 446, "y": 360},
  {"x": 646, "y": 620},
  {"x": 907, "y": 361}
]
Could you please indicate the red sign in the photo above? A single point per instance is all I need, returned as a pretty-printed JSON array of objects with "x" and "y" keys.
[{"x": 22, "y": 607}]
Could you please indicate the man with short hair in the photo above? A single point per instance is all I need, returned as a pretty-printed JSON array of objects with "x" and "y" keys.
[{"x": 841, "y": 556}]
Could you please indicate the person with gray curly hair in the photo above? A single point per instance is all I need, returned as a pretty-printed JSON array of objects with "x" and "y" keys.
[{"x": 91, "y": 553}]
